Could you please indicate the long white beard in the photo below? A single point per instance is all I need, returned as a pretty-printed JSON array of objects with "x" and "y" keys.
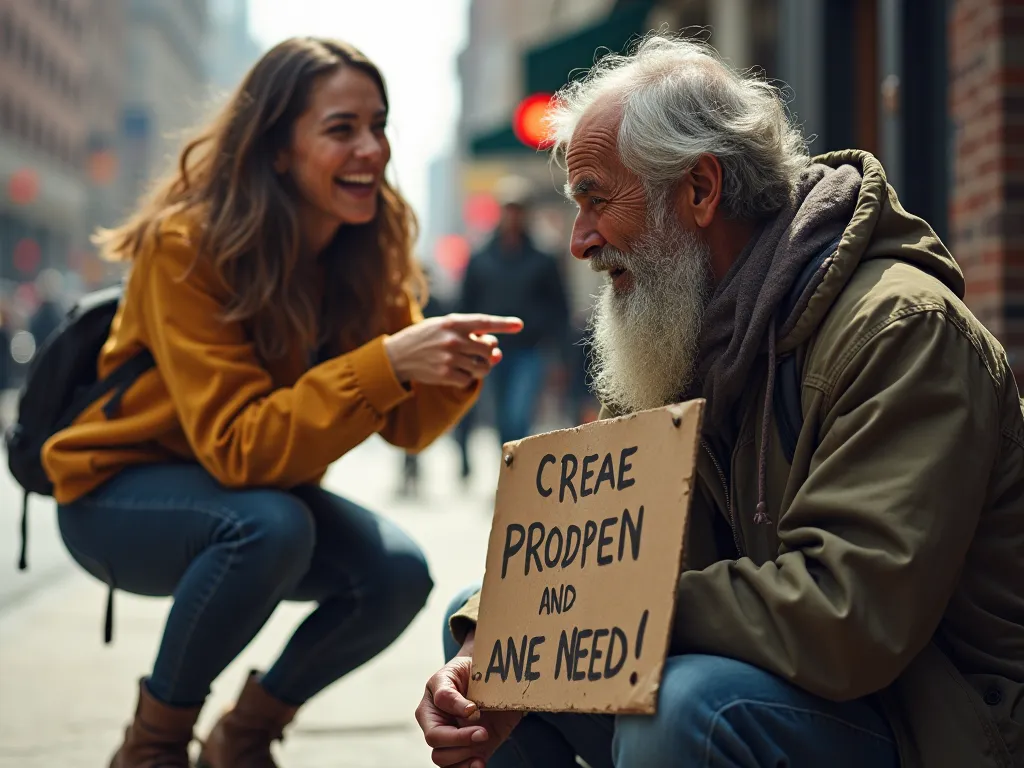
[{"x": 646, "y": 341}]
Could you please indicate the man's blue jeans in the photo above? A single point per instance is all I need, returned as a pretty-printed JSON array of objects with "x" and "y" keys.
[
  {"x": 713, "y": 712},
  {"x": 230, "y": 556},
  {"x": 516, "y": 383}
]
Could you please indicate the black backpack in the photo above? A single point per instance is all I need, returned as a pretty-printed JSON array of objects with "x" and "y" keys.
[{"x": 61, "y": 382}]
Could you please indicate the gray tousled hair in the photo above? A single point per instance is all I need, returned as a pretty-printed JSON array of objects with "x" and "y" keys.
[{"x": 680, "y": 101}]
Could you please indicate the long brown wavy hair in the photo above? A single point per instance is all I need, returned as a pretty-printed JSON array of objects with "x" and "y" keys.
[{"x": 247, "y": 216}]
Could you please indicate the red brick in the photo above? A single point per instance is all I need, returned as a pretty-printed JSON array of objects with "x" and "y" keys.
[{"x": 986, "y": 208}]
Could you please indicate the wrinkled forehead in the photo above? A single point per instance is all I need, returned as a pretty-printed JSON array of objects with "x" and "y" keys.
[{"x": 593, "y": 147}]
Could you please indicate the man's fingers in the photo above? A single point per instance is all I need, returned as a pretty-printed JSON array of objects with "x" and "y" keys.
[
  {"x": 460, "y": 757},
  {"x": 429, "y": 716},
  {"x": 481, "y": 324},
  {"x": 449, "y": 700},
  {"x": 448, "y": 736},
  {"x": 439, "y": 730}
]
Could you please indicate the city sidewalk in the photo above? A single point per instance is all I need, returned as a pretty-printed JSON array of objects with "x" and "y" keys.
[{"x": 64, "y": 696}]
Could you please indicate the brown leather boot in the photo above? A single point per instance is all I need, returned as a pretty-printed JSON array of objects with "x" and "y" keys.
[
  {"x": 242, "y": 737},
  {"x": 159, "y": 735}
]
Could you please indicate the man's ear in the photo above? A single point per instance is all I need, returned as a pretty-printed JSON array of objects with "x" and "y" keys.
[{"x": 700, "y": 192}]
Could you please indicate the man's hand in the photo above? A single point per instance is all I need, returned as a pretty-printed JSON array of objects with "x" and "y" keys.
[{"x": 460, "y": 734}]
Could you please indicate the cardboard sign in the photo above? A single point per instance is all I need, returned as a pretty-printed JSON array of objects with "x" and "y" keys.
[{"x": 582, "y": 565}]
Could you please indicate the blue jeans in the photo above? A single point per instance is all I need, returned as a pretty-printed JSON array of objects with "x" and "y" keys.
[
  {"x": 516, "y": 383},
  {"x": 713, "y": 712},
  {"x": 229, "y": 557}
]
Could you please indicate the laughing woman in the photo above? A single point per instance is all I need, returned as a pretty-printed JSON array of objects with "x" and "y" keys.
[{"x": 272, "y": 282}]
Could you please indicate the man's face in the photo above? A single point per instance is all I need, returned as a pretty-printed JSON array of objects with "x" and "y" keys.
[
  {"x": 611, "y": 199},
  {"x": 647, "y": 319}
]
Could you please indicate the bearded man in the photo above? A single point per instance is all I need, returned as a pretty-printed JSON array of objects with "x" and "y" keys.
[{"x": 856, "y": 601}]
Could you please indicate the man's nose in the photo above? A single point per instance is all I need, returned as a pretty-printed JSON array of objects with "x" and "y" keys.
[{"x": 584, "y": 237}]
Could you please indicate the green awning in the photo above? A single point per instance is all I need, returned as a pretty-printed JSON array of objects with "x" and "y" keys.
[
  {"x": 552, "y": 65},
  {"x": 499, "y": 141}
]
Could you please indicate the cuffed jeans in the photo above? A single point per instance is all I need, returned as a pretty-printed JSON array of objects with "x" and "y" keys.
[
  {"x": 228, "y": 557},
  {"x": 713, "y": 712}
]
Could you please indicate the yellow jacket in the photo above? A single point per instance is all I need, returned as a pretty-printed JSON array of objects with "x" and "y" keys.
[{"x": 211, "y": 400}]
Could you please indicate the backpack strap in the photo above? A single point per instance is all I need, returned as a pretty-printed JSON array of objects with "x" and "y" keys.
[
  {"x": 23, "y": 557},
  {"x": 122, "y": 378},
  {"x": 788, "y": 407},
  {"x": 108, "y": 617}
]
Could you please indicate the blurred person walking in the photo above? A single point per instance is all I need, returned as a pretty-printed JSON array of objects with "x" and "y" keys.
[
  {"x": 5, "y": 362},
  {"x": 510, "y": 275},
  {"x": 50, "y": 312},
  {"x": 273, "y": 284}
]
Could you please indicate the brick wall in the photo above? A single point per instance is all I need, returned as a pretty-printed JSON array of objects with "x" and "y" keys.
[{"x": 987, "y": 202}]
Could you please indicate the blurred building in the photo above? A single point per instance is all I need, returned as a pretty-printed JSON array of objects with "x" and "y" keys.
[
  {"x": 933, "y": 88},
  {"x": 106, "y": 26},
  {"x": 442, "y": 249},
  {"x": 44, "y": 77},
  {"x": 230, "y": 47},
  {"x": 94, "y": 98},
  {"x": 986, "y": 179},
  {"x": 165, "y": 87}
]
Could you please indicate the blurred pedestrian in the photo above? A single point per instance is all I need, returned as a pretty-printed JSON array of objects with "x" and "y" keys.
[
  {"x": 50, "y": 312},
  {"x": 273, "y": 283},
  {"x": 5, "y": 361},
  {"x": 510, "y": 275}
]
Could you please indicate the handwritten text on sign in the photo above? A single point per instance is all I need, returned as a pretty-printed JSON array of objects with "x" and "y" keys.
[{"x": 582, "y": 564}]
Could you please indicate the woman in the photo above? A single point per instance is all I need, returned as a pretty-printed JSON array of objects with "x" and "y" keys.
[{"x": 273, "y": 283}]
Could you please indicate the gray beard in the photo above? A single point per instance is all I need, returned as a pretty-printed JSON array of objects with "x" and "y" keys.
[{"x": 646, "y": 340}]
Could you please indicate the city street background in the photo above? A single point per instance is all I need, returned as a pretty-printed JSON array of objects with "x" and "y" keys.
[{"x": 96, "y": 97}]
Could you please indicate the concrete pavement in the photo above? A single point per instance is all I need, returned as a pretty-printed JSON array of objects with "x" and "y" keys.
[{"x": 64, "y": 696}]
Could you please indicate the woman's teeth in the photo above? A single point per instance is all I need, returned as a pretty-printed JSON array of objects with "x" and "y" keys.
[{"x": 357, "y": 178}]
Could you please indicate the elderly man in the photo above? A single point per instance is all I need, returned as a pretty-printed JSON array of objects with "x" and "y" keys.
[{"x": 853, "y": 585}]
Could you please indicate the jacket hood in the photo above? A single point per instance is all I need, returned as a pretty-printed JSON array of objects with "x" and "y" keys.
[{"x": 880, "y": 228}]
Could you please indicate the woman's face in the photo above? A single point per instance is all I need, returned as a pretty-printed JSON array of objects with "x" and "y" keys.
[{"x": 338, "y": 152}]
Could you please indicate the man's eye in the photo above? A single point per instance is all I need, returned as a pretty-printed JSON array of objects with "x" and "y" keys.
[{"x": 595, "y": 201}]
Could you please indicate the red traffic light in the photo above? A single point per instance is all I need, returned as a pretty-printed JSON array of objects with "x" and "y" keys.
[
  {"x": 23, "y": 186},
  {"x": 528, "y": 121}
]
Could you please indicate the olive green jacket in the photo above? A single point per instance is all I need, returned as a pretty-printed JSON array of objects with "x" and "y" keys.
[{"x": 894, "y": 563}]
